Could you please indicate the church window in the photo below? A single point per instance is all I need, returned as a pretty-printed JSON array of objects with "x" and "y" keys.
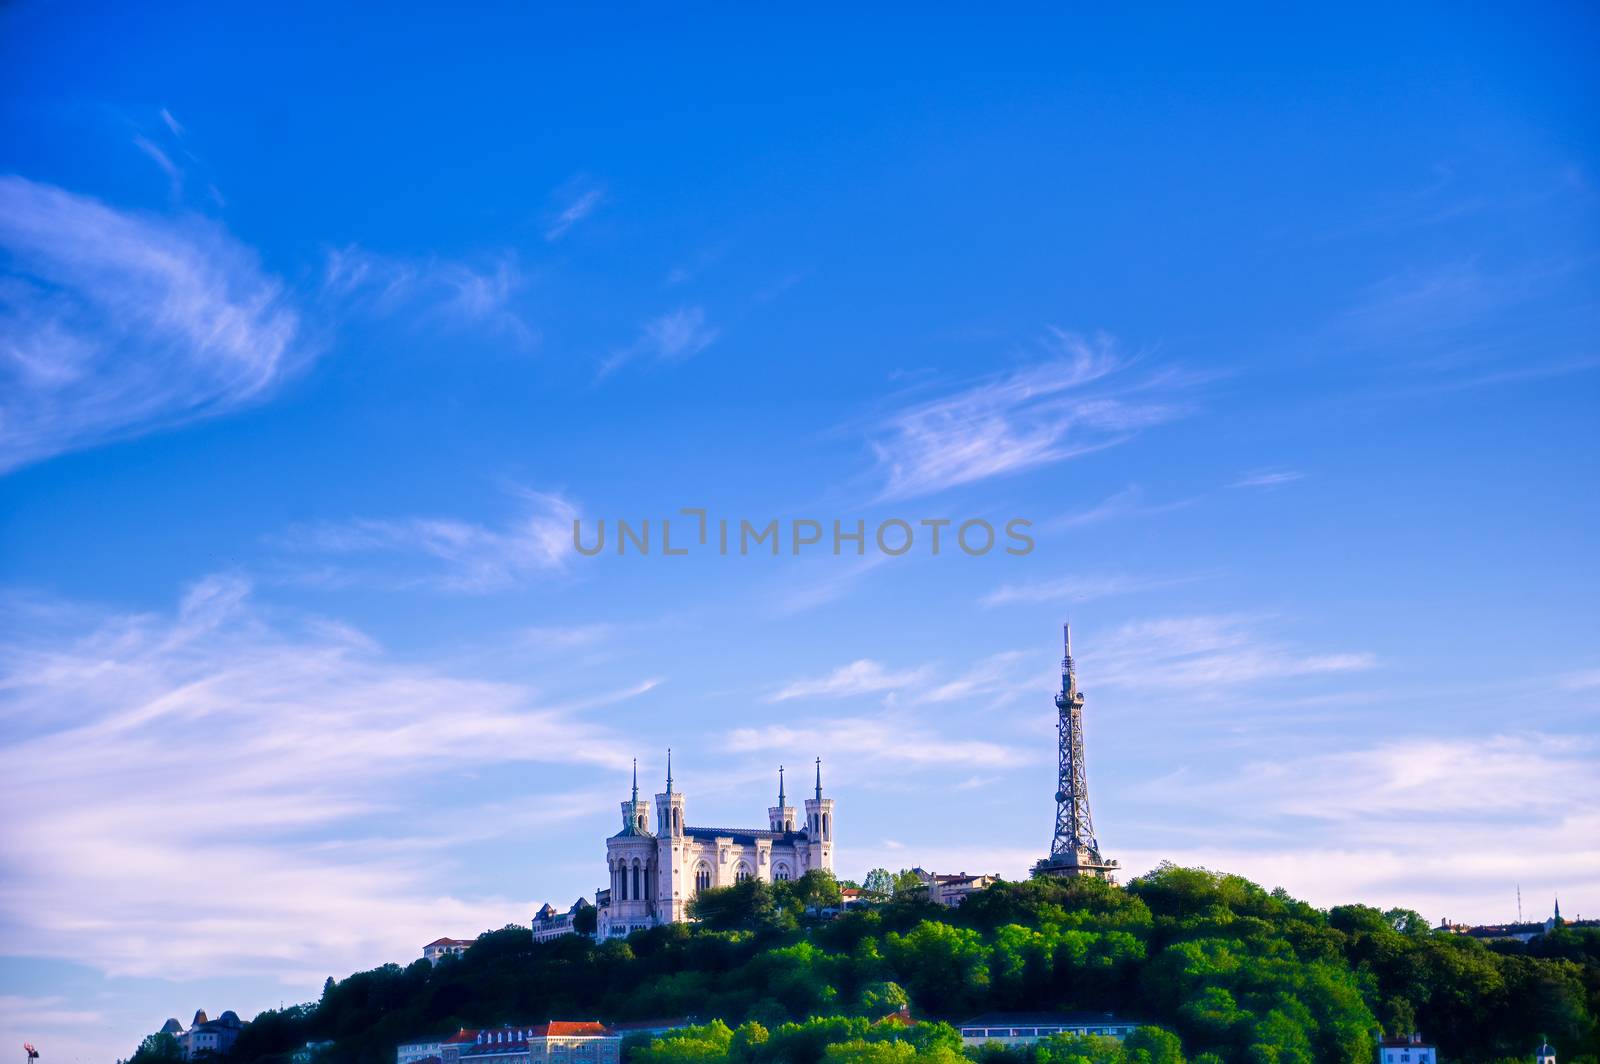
[
  {"x": 781, "y": 873},
  {"x": 636, "y": 880},
  {"x": 702, "y": 878},
  {"x": 825, "y": 825}
]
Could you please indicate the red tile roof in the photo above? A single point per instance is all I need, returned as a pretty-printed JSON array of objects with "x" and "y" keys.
[
  {"x": 449, "y": 942},
  {"x": 463, "y": 1035}
]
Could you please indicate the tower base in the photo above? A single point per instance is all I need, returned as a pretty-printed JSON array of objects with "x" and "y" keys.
[{"x": 1072, "y": 865}]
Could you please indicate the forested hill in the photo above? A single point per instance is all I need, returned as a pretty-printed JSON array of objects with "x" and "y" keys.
[{"x": 1232, "y": 971}]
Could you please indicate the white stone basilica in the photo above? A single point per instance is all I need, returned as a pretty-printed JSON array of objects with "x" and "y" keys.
[{"x": 654, "y": 875}]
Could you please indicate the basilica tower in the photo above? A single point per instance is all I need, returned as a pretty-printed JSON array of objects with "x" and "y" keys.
[
  {"x": 819, "y": 827},
  {"x": 781, "y": 816},
  {"x": 672, "y": 877}
]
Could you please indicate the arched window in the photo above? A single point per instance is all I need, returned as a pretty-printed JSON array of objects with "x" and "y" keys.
[
  {"x": 744, "y": 872},
  {"x": 702, "y": 877},
  {"x": 825, "y": 825},
  {"x": 622, "y": 881},
  {"x": 780, "y": 872},
  {"x": 636, "y": 879}
]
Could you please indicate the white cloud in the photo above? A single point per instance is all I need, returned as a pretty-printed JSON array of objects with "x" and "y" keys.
[
  {"x": 1267, "y": 478},
  {"x": 114, "y": 323},
  {"x": 672, "y": 337},
  {"x": 440, "y": 292},
  {"x": 857, "y": 678},
  {"x": 444, "y": 552},
  {"x": 999, "y": 675},
  {"x": 1449, "y": 827},
  {"x": 1038, "y": 415},
  {"x": 1205, "y": 656},
  {"x": 226, "y": 791},
  {"x": 861, "y": 742},
  {"x": 1073, "y": 589},
  {"x": 580, "y": 203},
  {"x": 1125, "y": 503},
  {"x": 1582, "y": 680},
  {"x": 1442, "y": 825},
  {"x": 162, "y": 160}
]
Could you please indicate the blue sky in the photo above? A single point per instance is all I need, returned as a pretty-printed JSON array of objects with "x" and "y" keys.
[{"x": 318, "y": 332}]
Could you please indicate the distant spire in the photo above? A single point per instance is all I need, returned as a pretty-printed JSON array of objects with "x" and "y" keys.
[
  {"x": 781, "y": 801},
  {"x": 635, "y": 781},
  {"x": 1066, "y": 657},
  {"x": 1558, "y": 910},
  {"x": 669, "y": 770},
  {"x": 819, "y": 779}
]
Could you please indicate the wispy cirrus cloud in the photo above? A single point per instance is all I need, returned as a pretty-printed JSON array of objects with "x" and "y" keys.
[
  {"x": 247, "y": 783},
  {"x": 115, "y": 323},
  {"x": 1076, "y": 589},
  {"x": 578, "y": 200},
  {"x": 1077, "y": 401},
  {"x": 1206, "y": 655},
  {"x": 672, "y": 337},
  {"x": 441, "y": 292},
  {"x": 445, "y": 553},
  {"x": 994, "y": 679},
  {"x": 1267, "y": 478},
  {"x": 858, "y": 742},
  {"x": 857, "y": 678},
  {"x": 1129, "y": 502}
]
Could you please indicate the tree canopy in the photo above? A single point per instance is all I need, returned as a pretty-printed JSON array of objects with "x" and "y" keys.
[{"x": 1217, "y": 968}]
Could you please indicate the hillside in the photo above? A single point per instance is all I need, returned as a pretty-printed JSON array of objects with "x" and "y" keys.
[{"x": 1234, "y": 972}]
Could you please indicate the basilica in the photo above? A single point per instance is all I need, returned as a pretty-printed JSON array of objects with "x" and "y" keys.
[{"x": 654, "y": 874}]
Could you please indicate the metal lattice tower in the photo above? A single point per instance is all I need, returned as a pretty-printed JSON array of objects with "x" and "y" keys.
[{"x": 1074, "y": 850}]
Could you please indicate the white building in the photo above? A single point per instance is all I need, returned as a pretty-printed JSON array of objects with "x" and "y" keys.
[
  {"x": 951, "y": 890},
  {"x": 1026, "y": 1028},
  {"x": 550, "y": 922},
  {"x": 411, "y": 1052},
  {"x": 1408, "y": 1049},
  {"x": 445, "y": 947},
  {"x": 556, "y": 1042},
  {"x": 205, "y": 1037},
  {"x": 653, "y": 875}
]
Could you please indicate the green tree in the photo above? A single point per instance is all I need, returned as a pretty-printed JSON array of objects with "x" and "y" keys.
[
  {"x": 741, "y": 907},
  {"x": 817, "y": 889},
  {"x": 879, "y": 881},
  {"x": 861, "y": 1051},
  {"x": 708, "y": 1044},
  {"x": 881, "y": 998},
  {"x": 158, "y": 1048}
]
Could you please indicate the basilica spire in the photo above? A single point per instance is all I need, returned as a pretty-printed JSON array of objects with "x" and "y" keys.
[
  {"x": 669, "y": 770},
  {"x": 819, "y": 779},
  {"x": 781, "y": 800},
  {"x": 635, "y": 781}
]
